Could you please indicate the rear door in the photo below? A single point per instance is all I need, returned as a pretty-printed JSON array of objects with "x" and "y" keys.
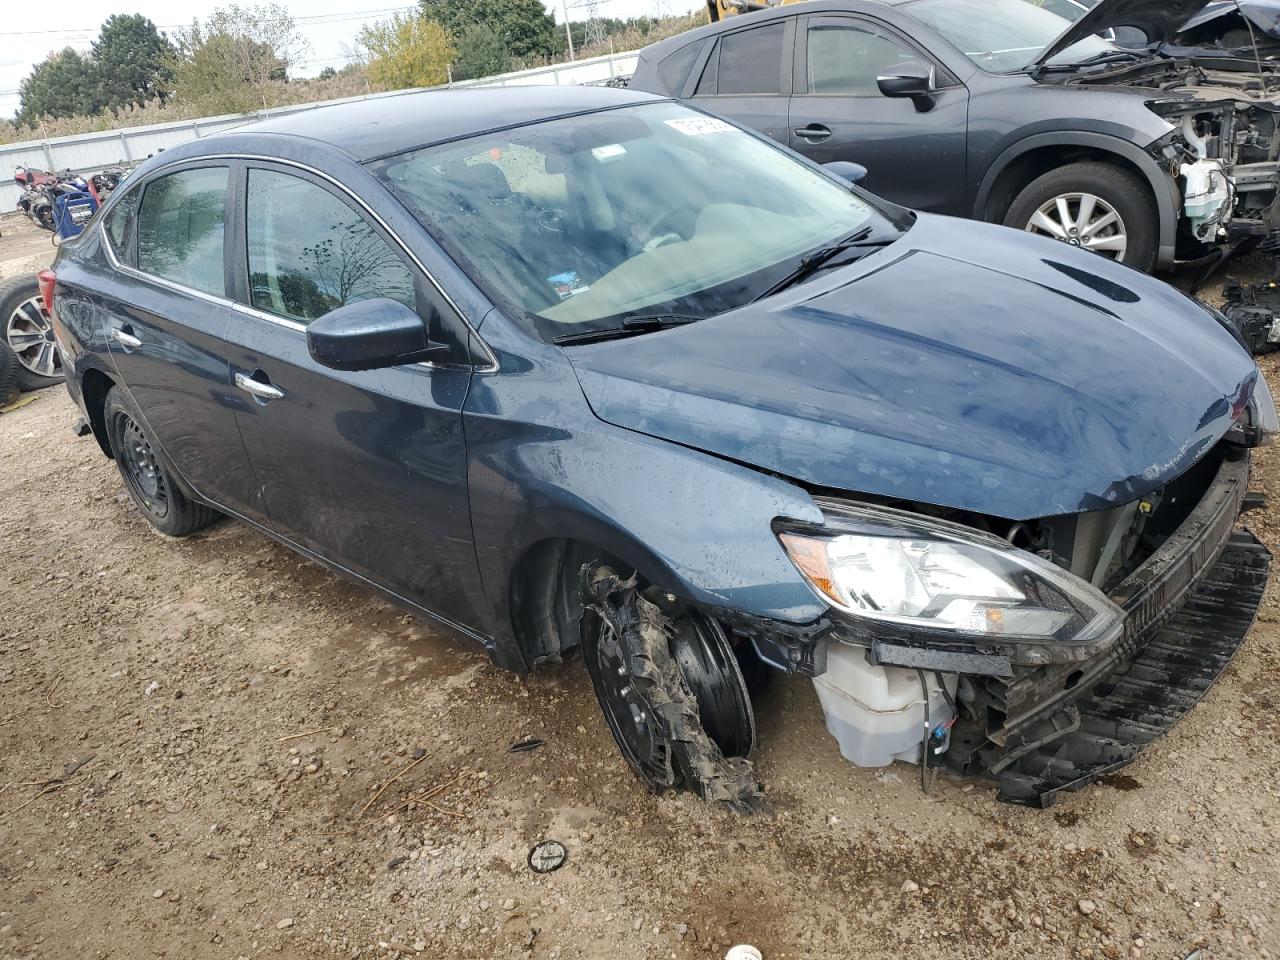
[
  {"x": 914, "y": 157},
  {"x": 747, "y": 77},
  {"x": 366, "y": 469},
  {"x": 166, "y": 313}
]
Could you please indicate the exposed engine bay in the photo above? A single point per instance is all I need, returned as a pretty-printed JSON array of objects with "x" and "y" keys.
[{"x": 1224, "y": 150}]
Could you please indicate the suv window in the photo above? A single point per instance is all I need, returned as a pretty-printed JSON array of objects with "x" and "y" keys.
[
  {"x": 746, "y": 62},
  {"x": 180, "y": 228},
  {"x": 673, "y": 69},
  {"x": 118, "y": 222},
  {"x": 848, "y": 59},
  {"x": 310, "y": 253}
]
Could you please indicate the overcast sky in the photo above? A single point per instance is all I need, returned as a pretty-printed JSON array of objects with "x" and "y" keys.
[{"x": 328, "y": 25}]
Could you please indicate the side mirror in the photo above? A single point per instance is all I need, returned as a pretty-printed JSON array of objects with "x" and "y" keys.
[
  {"x": 912, "y": 81},
  {"x": 368, "y": 335},
  {"x": 849, "y": 172}
]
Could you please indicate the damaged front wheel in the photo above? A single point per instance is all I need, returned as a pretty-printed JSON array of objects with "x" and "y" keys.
[{"x": 671, "y": 691}]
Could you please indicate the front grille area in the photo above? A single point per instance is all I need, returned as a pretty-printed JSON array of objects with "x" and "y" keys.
[{"x": 1188, "y": 608}]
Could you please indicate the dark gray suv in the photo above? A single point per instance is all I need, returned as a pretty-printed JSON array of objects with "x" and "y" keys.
[{"x": 1001, "y": 110}]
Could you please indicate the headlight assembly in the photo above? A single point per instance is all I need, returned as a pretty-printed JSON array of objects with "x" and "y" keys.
[{"x": 908, "y": 573}]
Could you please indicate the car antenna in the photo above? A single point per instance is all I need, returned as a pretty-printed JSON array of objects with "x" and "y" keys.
[{"x": 1253, "y": 39}]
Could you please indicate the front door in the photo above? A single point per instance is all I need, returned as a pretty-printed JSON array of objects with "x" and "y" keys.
[
  {"x": 913, "y": 156},
  {"x": 366, "y": 469},
  {"x": 165, "y": 313}
]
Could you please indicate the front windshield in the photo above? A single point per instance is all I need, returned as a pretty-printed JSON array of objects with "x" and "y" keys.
[
  {"x": 580, "y": 223},
  {"x": 1002, "y": 36}
]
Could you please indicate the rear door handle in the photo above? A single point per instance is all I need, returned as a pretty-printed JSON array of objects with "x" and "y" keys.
[
  {"x": 120, "y": 336},
  {"x": 814, "y": 132},
  {"x": 263, "y": 391}
]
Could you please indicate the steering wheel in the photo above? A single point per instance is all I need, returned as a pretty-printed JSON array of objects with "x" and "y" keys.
[{"x": 664, "y": 230}]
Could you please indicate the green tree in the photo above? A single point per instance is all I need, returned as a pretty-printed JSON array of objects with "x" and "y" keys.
[
  {"x": 63, "y": 85},
  {"x": 525, "y": 26},
  {"x": 481, "y": 52},
  {"x": 328, "y": 73},
  {"x": 405, "y": 51},
  {"x": 230, "y": 59},
  {"x": 132, "y": 61}
]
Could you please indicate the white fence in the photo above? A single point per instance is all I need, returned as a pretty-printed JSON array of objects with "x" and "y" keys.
[{"x": 90, "y": 152}]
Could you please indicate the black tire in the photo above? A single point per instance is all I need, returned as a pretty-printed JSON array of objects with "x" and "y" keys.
[
  {"x": 152, "y": 486},
  {"x": 26, "y": 328},
  {"x": 671, "y": 692},
  {"x": 8, "y": 376},
  {"x": 1123, "y": 191}
]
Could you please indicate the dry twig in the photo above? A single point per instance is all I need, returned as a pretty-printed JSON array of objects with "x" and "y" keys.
[
  {"x": 383, "y": 788},
  {"x": 48, "y": 695},
  {"x": 309, "y": 733}
]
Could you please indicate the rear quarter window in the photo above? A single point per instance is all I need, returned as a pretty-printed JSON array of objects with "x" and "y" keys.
[
  {"x": 118, "y": 226},
  {"x": 674, "y": 69}
]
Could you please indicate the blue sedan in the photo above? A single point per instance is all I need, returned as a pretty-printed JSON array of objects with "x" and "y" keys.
[{"x": 588, "y": 369}]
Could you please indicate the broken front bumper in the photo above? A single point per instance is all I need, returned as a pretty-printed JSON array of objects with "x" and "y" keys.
[{"x": 1187, "y": 610}]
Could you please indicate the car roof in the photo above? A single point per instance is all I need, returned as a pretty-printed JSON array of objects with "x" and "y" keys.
[
  {"x": 381, "y": 126},
  {"x": 660, "y": 48}
]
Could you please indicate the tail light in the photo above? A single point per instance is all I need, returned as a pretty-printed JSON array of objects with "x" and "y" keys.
[{"x": 47, "y": 280}]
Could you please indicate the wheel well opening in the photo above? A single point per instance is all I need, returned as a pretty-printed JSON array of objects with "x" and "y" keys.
[
  {"x": 1014, "y": 178},
  {"x": 94, "y": 387},
  {"x": 546, "y": 609}
]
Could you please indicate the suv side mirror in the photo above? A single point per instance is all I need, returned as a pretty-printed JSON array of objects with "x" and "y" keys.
[
  {"x": 912, "y": 81},
  {"x": 368, "y": 335},
  {"x": 849, "y": 172}
]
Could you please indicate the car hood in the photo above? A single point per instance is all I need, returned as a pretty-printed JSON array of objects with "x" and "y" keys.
[
  {"x": 967, "y": 366},
  {"x": 1160, "y": 20},
  {"x": 1263, "y": 14}
]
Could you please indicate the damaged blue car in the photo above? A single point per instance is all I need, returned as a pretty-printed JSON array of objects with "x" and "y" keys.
[{"x": 588, "y": 369}]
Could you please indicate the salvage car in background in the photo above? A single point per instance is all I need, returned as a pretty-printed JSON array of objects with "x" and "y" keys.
[
  {"x": 580, "y": 367},
  {"x": 1001, "y": 110}
]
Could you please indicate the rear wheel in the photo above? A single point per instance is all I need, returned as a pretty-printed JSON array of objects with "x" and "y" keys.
[
  {"x": 1095, "y": 206},
  {"x": 150, "y": 483},
  {"x": 28, "y": 330}
]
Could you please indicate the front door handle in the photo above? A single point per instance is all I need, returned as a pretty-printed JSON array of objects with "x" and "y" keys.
[
  {"x": 120, "y": 336},
  {"x": 263, "y": 391},
  {"x": 814, "y": 132}
]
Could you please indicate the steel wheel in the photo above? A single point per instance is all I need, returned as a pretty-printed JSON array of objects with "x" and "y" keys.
[
  {"x": 29, "y": 333},
  {"x": 639, "y": 734},
  {"x": 1083, "y": 220},
  {"x": 141, "y": 469}
]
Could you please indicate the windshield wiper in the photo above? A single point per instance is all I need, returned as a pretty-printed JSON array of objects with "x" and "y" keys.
[
  {"x": 1108, "y": 56},
  {"x": 820, "y": 259},
  {"x": 629, "y": 327}
]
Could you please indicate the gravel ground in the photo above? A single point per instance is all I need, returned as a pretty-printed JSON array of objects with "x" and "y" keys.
[{"x": 230, "y": 714}]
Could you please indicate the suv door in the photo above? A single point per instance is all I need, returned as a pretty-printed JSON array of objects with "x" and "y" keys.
[
  {"x": 365, "y": 469},
  {"x": 165, "y": 316},
  {"x": 747, "y": 77},
  {"x": 914, "y": 157}
]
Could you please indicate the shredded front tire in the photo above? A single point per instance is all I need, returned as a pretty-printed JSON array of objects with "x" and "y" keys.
[{"x": 648, "y": 703}]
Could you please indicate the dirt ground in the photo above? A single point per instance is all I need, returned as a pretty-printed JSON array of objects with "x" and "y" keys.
[{"x": 231, "y": 711}]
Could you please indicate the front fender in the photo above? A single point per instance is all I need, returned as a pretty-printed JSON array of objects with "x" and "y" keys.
[
  {"x": 1163, "y": 186},
  {"x": 542, "y": 466}
]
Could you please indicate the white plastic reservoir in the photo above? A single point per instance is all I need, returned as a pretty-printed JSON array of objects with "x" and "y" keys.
[{"x": 876, "y": 713}]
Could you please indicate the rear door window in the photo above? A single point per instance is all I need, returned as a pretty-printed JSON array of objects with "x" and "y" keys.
[
  {"x": 746, "y": 62},
  {"x": 180, "y": 228},
  {"x": 310, "y": 253}
]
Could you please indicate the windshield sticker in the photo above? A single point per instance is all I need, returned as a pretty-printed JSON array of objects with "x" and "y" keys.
[
  {"x": 567, "y": 284},
  {"x": 697, "y": 126},
  {"x": 610, "y": 152}
]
